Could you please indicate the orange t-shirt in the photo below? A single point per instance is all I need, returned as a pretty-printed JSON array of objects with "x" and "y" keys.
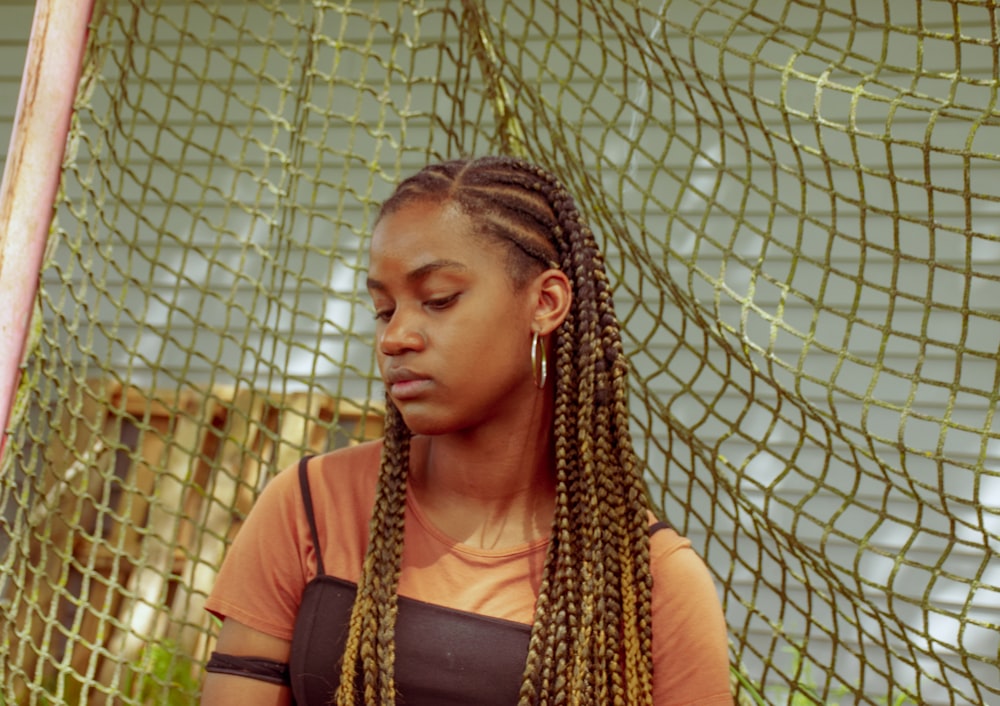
[{"x": 273, "y": 557}]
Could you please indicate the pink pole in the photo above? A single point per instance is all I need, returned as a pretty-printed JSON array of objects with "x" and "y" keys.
[{"x": 31, "y": 174}]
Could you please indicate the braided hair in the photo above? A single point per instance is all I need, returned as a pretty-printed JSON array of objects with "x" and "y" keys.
[{"x": 591, "y": 636}]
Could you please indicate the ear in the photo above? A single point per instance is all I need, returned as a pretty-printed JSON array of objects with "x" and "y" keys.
[{"x": 553, "y": 295}]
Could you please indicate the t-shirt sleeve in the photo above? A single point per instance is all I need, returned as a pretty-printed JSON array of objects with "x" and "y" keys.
[
  {"x": 690, "y": 641},
  {"x": 264, "y": 572}
]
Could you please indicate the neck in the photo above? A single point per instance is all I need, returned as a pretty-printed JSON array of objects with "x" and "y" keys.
[{"x": 487, "y": 490}]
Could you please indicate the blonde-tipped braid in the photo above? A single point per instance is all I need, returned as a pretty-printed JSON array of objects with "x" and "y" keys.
[{"x": 369, "y": 654}]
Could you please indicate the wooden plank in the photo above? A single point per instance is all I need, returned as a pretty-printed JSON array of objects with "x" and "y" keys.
[
  {"x": 142, "y": 613},
  {"x": 209, "y": 513},
  {"x": 75, "y": 460}
]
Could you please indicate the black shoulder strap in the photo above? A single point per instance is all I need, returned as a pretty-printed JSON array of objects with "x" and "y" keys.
[
  {"x": 657, "y": 526},
  {"x": 310, "y": 513},
  {"x": 252, "y": 667}
]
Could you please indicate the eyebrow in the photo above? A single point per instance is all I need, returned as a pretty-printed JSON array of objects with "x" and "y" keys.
[{"x": 421, "y": 272}]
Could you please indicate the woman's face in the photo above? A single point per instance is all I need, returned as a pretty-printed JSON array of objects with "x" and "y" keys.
[{"x": 452, "y": 336}]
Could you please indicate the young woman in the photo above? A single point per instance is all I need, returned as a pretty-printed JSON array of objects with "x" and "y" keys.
[{"x": 498, "y": 545}]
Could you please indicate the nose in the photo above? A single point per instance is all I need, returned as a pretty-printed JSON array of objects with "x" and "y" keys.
[{"x": 400, "y": 334}]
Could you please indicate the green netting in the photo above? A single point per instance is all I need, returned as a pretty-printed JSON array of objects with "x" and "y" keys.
[{"x": 799, "y": 201}]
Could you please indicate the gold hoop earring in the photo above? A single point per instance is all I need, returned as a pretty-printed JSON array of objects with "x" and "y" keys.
[{"x": 539, "y": 361}]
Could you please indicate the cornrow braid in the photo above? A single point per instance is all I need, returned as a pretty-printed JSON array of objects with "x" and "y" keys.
[{"x": 591, "y": 639}]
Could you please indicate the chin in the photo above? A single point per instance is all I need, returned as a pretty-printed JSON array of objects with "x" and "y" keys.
[
  {"x": 430, "y": 425},
  {"x": 425, "y": 425}
]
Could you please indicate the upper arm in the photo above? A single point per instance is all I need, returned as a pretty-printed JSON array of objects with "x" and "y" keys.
[{"x": 235, "y": 638}]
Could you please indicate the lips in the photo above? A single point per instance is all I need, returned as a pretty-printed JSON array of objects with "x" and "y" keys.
[{"x": 405, "y": 384}]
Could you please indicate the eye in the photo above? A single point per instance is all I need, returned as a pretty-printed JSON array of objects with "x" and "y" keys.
[
  {"x": 439, "y": 303},
  {"x": 384, "y": 314}
]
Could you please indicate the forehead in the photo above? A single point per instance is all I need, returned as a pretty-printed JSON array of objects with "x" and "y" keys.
[{"x": 423, "y": 231}]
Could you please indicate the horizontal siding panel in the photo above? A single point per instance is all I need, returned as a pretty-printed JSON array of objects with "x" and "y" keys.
[
  {"x": 230, "y": 219},
  {"x": 969, "y": 409},
  {"x": 16, "y": 26},
  {"x": 780, "y": 174},
  {"x": 15, "y": 30}
]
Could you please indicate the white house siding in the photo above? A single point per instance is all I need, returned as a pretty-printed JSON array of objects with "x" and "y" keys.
[
  {"x": 14, "y": 30},
  {"x": 233, "y": 255}
]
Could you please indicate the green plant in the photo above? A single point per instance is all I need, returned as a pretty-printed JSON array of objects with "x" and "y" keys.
[
  {"x": 165, "y": 677},
  {"x": 748, "y": 689},
  {"x": 806, "y": 691}
]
